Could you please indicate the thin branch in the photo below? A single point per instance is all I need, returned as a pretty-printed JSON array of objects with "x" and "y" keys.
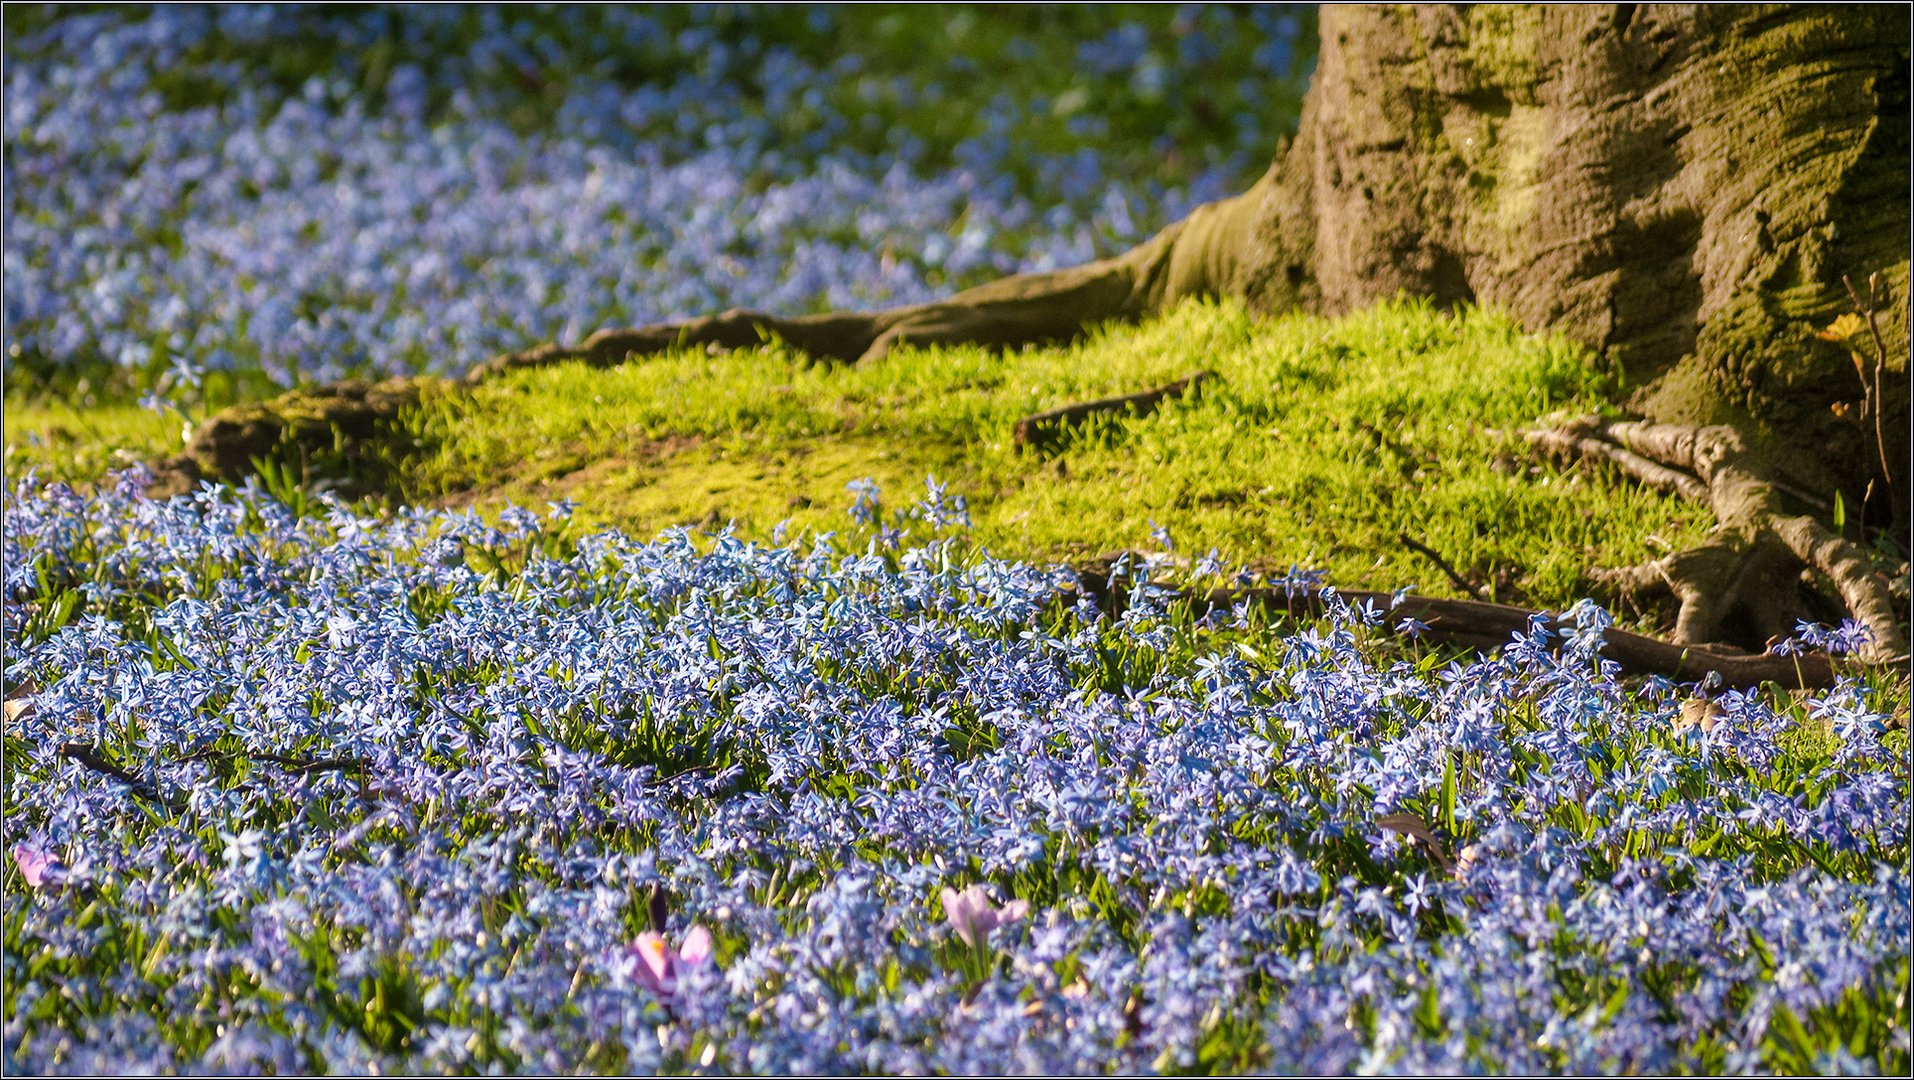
[
  {"x": 691, "y": 770},
  {"x": 302, "y": 766},
  {"x": 95, "y": 761},
  {"x": 1415, "y": 828},
  {"x": 308, "y": 766},
  {"x": 1872, "y": 393},
  {"x": 1442, "y": 564},
  {"x": 1875, "y": 400}
]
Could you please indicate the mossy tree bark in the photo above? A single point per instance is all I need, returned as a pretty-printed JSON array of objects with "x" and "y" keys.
[{"x": 1682, "y": 189}]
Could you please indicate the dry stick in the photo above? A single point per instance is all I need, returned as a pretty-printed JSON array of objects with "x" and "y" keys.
[
  {"x": 1478, "y": 624},
  {"x": 1441, "y": 563},
  {"x": 99, "y": 763},
  {"x": 302, "y": 766},
  {"x": 308, "y": 766},
  {"x": 658, "y": 907},
  {"x": 1880, "y": 358},
  {"x": 1802, "y": 495},
  {"x": 1417, "y": 829},
  {"x": 690, "y": 770},
  {"x": 92, "y": 759},
  {"x": 1042, "y": 428}
]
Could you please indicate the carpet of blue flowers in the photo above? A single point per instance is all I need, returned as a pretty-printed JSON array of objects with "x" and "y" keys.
[
  {"x": 172, "y": 206},
  {"x": 296, "y": 788},
  {"x": 399, "y": 793}
]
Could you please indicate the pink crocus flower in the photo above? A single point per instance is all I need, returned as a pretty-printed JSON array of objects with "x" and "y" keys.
[
  {"x": 659, "y": 965},
  {"x": 38, "y": 867},
  {"x": 973, "y": 916}
]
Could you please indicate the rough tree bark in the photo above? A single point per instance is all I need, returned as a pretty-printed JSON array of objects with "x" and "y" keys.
[{"x": 1682, "y": 189}]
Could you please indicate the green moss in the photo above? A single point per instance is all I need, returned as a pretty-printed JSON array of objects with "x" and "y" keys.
[
  {"x": 1501, "y": 47},
  {"x": 1520, "y": 142},
  {"x": 1322, "y": 441},
  {"x": 1491, "y": 130}
]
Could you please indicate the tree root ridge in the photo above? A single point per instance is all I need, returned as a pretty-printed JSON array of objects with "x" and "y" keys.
[
  {"x": 840, "y": 336},
  {"x": 1017, "y": 311},
  {"x": 1479, "y": 624},
  {"x": 1751, "y": 583},
  {"x": 1568, "y": 442}
]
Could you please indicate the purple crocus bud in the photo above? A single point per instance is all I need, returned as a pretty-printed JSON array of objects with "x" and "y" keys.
[
  {"x": 38, "y": 867},
  {"x": 973, "y": 917},
  {"x": 659, "y": 965}
]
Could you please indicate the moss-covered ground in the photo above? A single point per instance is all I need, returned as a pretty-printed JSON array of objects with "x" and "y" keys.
[{"x": 1319, "y": 445}]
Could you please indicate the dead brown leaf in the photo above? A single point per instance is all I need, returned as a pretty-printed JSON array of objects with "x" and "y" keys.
[{"x": 1412, "y": 826}]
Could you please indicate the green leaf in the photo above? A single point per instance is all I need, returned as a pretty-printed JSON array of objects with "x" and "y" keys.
[{"x": 1448, "y": 793}]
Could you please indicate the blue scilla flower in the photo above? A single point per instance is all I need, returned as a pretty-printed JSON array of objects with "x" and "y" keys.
[{"x": 285, "y": 228}]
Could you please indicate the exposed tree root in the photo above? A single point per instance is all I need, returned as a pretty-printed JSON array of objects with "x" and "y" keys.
[
  {"x": 1744, "y": 586},
  {"x": 1197, "y": 256},
  {"x": 1574, "y": 440},
  {"x": 1020, "y": 310},
  {"x": 1040, "y": 430},
  {"x": 1193, "y": 257},
  {"x": 1481, "y": 625}
]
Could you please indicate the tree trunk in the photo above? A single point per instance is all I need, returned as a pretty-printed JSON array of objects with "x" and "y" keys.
[{"x": 1682, "y": 189}]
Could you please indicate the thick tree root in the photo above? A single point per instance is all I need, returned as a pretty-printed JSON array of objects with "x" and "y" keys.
[
  {"x": 1572, "y": 441},
  {"x": 1746, "y": 585},
  {"x": 1197, "y": 256},
  {"x": 1193, "y": 257},
  {"x": 1022, "y": 310},
  {"x": 1482, "y": 625},
  {"x": 1012, "y": 312},
  {"x": 1040, "y": 430}
]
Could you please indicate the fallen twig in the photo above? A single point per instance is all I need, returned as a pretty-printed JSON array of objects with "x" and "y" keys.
[
  {"x": 1442, "y": 564},
  {"x": 301, "y": 766},
  {"x": 95, "y": 761},
  {"x": 308, "y": 766},
  {"x": 1041, "y": 429},
  {"x": 1415, "y": 828}
]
